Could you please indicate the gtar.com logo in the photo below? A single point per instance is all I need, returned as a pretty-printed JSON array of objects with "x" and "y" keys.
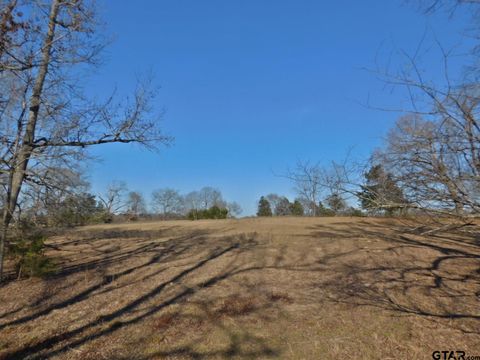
[{"x": 453, "y": 355}]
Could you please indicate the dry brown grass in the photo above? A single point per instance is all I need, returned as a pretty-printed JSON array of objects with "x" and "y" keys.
[{"x": 293, "y": 288}]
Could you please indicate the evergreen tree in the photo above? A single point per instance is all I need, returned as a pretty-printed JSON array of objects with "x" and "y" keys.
[
  {"x": 296, "y": 208},
  {"x": 380, "y": 192},
  {"x": 76, "y": 209},
  {"x": 323, "y": 211},
  {"x": 264, "y": 208}
]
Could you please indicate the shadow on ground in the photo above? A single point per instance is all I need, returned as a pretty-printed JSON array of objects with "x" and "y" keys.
[
  {"x": 173, "y": 288},
  {"x": 435, "y": 276}
]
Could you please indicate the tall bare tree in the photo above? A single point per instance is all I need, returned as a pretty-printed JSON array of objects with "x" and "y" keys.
[
  {"x": 433, "y": 151},
  {"x": 44, "y": 116},
  {"x": 309, "y": 182},
  {"x": 136, "y": 203},
  {"x": 113, "y": 198},
  {"x": 234, "y": 209},
  {"x": 192, "y": 201},
  {"x": 210, "y": 196},
  {"x": 167, "y": 202},
  {"x": 437, "y": 163},
  {"x": 273, "y": 199}
]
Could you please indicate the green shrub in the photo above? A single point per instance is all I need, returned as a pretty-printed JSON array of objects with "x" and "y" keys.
[
  {"x": 296, "y": 208},
  {"x": 355, "y": 212},
  {"x": 101, "y": 217},
  {"x": 214, "y": 212},
  {"x": 323, "y": 211},
  {"x": 76, "y": 210},
  {"x": 29, "y": 254},
  {"x": 192, "y": 214}
]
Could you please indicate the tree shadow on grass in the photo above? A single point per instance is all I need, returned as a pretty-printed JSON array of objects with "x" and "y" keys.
[
  {"x": 165, "y": 251},
  {"x": 146, "y": 304},
  {"x": 435, "y": 277},
  {"x": 361, "y": 264}
]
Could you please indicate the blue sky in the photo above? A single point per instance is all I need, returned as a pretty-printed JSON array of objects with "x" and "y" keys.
[{"x": 251, "y": 86}]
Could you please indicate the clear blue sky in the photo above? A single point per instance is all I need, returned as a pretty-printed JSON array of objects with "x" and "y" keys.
[{"x": 250, "y": 86}]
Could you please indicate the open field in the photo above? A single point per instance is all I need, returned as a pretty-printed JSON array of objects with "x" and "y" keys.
[{"x": 290, "y": 288}]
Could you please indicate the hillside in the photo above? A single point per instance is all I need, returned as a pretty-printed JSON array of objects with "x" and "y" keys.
[{"x": 291, "y": 288}]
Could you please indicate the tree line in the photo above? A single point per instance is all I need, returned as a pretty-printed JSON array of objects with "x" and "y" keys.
[
  {"x": 276, "y": 205},
  {"x": 429, "y": 162},
  {"x": 428, "y": 166},
  {"x": 78, "y": 206},
  {"x": 321, "y": 193}
]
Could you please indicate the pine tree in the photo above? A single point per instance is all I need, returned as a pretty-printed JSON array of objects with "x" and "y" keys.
[
  {"x": 296, "y": 208},
  {"x": 264, "y": 208},
  {"x": 380, "y": 192}
]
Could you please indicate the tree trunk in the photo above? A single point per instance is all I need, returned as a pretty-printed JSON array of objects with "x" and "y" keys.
[
  {"x": 3, "y": 240},
  {"x": 20, "y": 162}
]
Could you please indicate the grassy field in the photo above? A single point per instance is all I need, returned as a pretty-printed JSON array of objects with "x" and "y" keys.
[{"x": 290, "y": 288}]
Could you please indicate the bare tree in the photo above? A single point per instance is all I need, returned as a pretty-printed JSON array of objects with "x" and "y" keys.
[
  {"x": 211, "y": 197},
  {"x": 234, "y": 209},
  {"x": 44, "y": 117},
  {"x": 283, "y": 207},
  {"x": 433, "y": 152},
  {"x": 436, "y": 163},
  {"x": 336, "y": 203},
  {"x": 167, "y": 201},
  {"x": 38, "y": 201},
  {"x": 430, "y": 6},
  {"x": 273, "y": 199},
  {"x": 136, "y": 203},
  {"x": 309, "y": 183},
  {"x": 113, "y": 199},
  {"x": 192, "y": 201}
]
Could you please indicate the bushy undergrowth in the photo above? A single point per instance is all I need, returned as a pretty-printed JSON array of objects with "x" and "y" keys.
[
  {"x": 28, "y": 252},
  {"x": 354, "y": 212},
  {"x": 214, "y": 212}
]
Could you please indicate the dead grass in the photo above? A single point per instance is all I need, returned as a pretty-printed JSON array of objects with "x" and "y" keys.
[
  {"x": 237, "y": 306},
  {"x": 293, "y": 288}
]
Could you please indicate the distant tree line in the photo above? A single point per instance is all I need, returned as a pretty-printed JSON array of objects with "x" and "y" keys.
[
  {"x": 75, "y": 205},
  {"x": 206, "y": 203},
  {"x": 344, "y": 189},
  {"x": 276, "y": 205}
]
